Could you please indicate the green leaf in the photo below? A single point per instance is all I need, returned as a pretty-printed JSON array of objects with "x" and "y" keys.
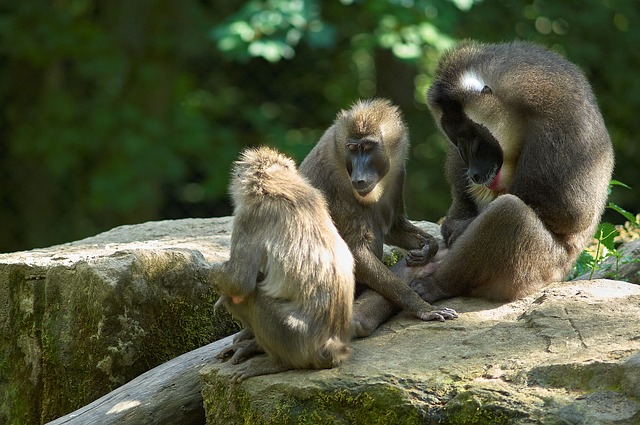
[
  {"x": 630, "y": 217},
  {"x": 619, "y": 183},
  {"x": 605, "y": 233},
  {"x": 584, "y": 263}
]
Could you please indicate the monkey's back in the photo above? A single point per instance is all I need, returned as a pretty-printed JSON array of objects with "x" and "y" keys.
[{"x": 306, "y": 294}]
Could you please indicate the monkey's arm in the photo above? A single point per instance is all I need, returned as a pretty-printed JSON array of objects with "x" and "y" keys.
[
  {"x": 561, "y": 190},
  {"x": 421, "y": 245},
  {"x": 458, "y": 218},
  {"x": 371, "y": 271},
  {"x": 243, "y": 269},
  {"x": 463, "y": 210}
]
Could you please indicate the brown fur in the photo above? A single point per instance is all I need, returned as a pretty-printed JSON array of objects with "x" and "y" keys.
[
  {"x": 289, "y": 271},
  {"x": 557, "y": 162},
  {"x": 366, "y": 222}
]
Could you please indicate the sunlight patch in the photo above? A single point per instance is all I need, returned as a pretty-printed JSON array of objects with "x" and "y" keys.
[{"x": 124, "y": 405}]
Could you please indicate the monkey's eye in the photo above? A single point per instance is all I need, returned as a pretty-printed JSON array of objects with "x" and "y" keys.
[
  {"x": 353, "y": 147},
  {"x": 367, "y": 146},
  {"x": 462, "y": 151},
  {"x": 486, "y": 90}
]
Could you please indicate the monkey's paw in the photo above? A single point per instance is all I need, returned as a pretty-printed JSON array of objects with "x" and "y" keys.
[
  {"x": 240, "y": 351},
  {"x": 440, "y": 314},
  {"x": 421, "y": 256}
]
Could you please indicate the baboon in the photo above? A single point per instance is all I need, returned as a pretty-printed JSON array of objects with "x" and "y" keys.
[
  {"x": 289, "y": 278},
  {"x": 529, "y": 164},
  {"x": 359, "y": 166}
]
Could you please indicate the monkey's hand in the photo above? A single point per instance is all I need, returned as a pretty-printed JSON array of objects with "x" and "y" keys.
[
  {"x": 439, "y": 313},
  {"x": 421, "y": 256},
  {"x": 240, "y": 351}
]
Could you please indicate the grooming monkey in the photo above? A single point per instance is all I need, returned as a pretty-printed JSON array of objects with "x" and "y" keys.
[
  {"x": 359, "y": 165},
  {"x": 529, "y": 163},
  {"x": 289, "y": 278}
]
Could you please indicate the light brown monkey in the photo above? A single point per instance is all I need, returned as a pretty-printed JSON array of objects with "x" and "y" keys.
[
  {"x": 359, "y": 165},
  {"x": 529, "y": 163},
  {"x": 289, "y": 278}
]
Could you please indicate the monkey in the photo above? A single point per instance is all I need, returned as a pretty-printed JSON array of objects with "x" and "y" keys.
[
  {"x": 290, "y": 276},
  {"x": 359, "y": 166},
  {"x": 529, "y": 163}
]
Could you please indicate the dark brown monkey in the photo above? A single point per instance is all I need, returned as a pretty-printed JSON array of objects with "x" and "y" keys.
[
  {"x": 359, "y": 165},
  {"x": 529, "y": 163},
  {"x": 289, "y": 278}
]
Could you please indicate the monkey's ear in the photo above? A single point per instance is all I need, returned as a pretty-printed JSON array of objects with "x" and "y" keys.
[{"x": 486, "y": 90}]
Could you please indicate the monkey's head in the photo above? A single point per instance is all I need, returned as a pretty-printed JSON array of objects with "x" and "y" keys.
[
  {"x": 467, "y": 102},
  {"x": 263, "y": 173},
  {"x": 371, "y": 138}
]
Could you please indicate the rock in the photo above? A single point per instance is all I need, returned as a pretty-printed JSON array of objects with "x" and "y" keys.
[
  {"x": 83, "y": 318},
  {"x": 566, "y": 355}
]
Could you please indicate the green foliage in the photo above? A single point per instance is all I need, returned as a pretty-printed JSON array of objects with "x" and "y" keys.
[
  {"x": 272, "y": 29},
  {"x": 592, "y": 259},
  {"x": 120, "y": 112}
]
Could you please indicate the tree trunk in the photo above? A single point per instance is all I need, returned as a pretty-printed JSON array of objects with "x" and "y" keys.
[{"x": 169, "y": 393}]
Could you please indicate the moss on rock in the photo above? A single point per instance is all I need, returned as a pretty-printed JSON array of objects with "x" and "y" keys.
[{"x": 81, "y": 319}]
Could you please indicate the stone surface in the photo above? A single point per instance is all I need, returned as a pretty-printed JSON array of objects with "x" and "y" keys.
[
  {"x": 81, "y": 319},
  {"x": 568, "y": 355}
]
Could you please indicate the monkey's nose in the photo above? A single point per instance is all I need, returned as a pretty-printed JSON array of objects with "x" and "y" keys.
[{"x": 360, "y": 184}]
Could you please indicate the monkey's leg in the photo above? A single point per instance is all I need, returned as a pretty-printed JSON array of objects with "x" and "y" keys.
[
  {"x": 244, "y": 343},
  {"x": 287, "y": 332},
  {"x": 263, "y": 365},
  {"x": 506, "y": 253},
  {"x": 370, "y": 310}
]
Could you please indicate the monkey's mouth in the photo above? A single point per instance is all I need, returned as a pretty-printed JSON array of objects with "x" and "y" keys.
[
  {"x": 363, "y": 188},
  {"x": 496, "y": 182}
]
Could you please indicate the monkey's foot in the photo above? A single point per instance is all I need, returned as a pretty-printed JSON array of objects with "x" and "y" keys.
[
  {"x": 423, "y": 285},
  {"x": 440, "y": 314},
  {"x": 363, "y": 328},
  {"x": 244, "y": 334},
  {"x": 257, "y": 366},
  {"x": 370, "y": 310},
  {"x": 240, "y": 351}
]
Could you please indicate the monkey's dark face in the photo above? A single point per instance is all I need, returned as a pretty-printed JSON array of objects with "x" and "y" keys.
[
  {"x": 480, "y": 152},
  {"x": 366, "y": 164},
  {"x": 478, "y": 148}
]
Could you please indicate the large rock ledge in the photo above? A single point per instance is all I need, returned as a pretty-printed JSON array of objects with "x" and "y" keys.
[
  {"x": 83, "y": 318},
  {"x": 568, "y": 355}
]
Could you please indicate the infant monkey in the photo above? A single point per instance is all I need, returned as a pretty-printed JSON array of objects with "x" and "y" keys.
[{"x": 289, "y": 278}]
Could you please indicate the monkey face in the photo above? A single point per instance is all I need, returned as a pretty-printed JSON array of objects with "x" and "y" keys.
[
  {"x": 366, "y": 164},
  {"x": 478, "y": 148},
  {"x": 481, "y": 154}
]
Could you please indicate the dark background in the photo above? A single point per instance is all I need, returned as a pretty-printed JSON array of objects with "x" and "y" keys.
[{"x": 117, "y": 111}]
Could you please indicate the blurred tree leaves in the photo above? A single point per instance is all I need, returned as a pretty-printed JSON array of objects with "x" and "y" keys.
[
  {"x": 120, "y": 112},
  {"x": 272, "y": 29}
]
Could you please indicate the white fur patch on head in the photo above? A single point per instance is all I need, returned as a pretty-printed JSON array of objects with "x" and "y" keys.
[{"x": 472, "y": 81}]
